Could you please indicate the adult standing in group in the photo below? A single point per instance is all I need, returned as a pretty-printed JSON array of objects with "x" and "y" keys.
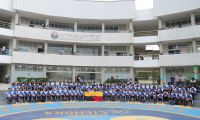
[{"x": 7, "y": 78}]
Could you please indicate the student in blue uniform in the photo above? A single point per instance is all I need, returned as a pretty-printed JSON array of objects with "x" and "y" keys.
[
  {"x": 58, "y": 93},
  {"x": 32, "y": 96},
  {"x": 137, "y": 95},
  {"x": 160, "y": 97},
  {"x": 62, "y": 94},
  {"x": 43, "y": 96},
  {"x": 105, "y": 95},
  {"x": 165, "y": 96},
  {"x": 50, "y": 93},
  {"x": 155, "y": 98},
  {"x": 67, "y": 95},
  {"x": 54, "y": 92},
  {"x": 28, "y": 94},
  {"x": 174, "y": 97},
  {"x": 189, "y": 99},
  {"x": 14, "y": 96},
  {"x": 133, "y": 95},
  {"x": 112, "y": 92},
  {"x": 20, "y": 95},
  {"x": 9, "y": 96},
  {"x": 123, "y": 96},
  {"x": 39, "y": 95},
  {"x": 184, "y": 96}
]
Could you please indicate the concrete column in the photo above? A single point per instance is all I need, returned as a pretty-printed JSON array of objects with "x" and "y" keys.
[
  {"x": 13, "y": 23},
  {"x": 161, "y": 48},
  {"x": 16, "y": 18},
  {"x": 194, "y": 46},
  {"x": 132, "y": 74},
  {"x": 74, "y": 74},
  {"x": 102, "y": 74},
  {"x": 75, "y": 26},
  {"x": 12, "y": 76},
  {"x": 44, "y": 71},
  {"x": 103, "y": 27},
  {"x": 131, "y": 26},
  {"x": 102, "y": 50},
  {"x": 46, "y": 47},
  {"x": 163, "y": 76},
  {"x": 193, "y": 19},
  {"x": 196, "y": 71},
  {"x": 131, "y": 47},
  {"x": 160, "y": 23},
  {"x": 47, "y": 23},
  {"x": 8, "y": 71},
  {"x": 74, "y": 49},
  {"x": 14, "y": 44},
  {"x": 10, "y": 47}
]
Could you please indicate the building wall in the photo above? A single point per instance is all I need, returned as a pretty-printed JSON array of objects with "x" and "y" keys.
[
  {"x": 166, "y": 7},
  {"x": 76, "y": 8},
  {"x": 7, "y": 5}
]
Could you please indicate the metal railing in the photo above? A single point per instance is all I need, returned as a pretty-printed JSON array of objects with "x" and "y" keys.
[
  {"x": 146, "y": 33},
  {"x": 147, "y": 57},
  {"x": 5, "y": 25}
]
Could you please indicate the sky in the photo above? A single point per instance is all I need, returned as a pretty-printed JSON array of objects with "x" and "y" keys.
[{"x": 140, "y": 4}]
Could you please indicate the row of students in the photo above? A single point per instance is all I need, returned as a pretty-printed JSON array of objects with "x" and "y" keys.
[
  {"x": 43, "y": 95},
  {"x": 25, "y": 92}
]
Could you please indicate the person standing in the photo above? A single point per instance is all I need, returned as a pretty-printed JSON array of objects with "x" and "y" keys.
[{"x": 6, "y": 78}]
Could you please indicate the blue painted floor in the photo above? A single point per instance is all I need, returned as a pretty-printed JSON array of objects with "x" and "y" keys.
[{"x": 97, "y": 111}]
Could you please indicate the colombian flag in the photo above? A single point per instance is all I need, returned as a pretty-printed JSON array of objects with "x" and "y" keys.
[{"x": 94, "y": 96}]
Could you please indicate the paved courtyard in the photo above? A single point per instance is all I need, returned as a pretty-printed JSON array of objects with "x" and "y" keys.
[{"x": 97, "y": 111}]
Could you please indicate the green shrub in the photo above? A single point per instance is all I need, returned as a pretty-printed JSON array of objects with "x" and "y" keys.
[{"x": 23, "y": 79}]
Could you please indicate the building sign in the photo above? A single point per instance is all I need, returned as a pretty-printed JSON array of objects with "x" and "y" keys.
[{"x": 75, "y": 37}]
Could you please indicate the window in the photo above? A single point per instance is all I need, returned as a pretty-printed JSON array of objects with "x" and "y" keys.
[
  {"x": 197, "y": 19},
  {"x": 56, "y": 49},
  {"x": 179, "y": 48},
  {"x": 89, "y": 28},
  {"x": 25, "y": 46},
  {"x": 23, "y": 67},
  {"x": 59, "y": 69},
  {"x": 61, "y": 26},
  {"x": 178, "y": 23},
  {"x": 88, "y": 69},
  {"x": 89, "y": 50}
]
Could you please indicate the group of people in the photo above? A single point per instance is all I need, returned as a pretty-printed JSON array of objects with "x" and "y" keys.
[{"x": 63, "y": 91}]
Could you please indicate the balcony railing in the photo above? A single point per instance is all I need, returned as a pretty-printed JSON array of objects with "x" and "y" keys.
[
  {"x": 147, "y": 57},
  {"x": 4, "y": 52},
  {"x": 5, "y": 25},
  {"x": 146, "y": 33}
]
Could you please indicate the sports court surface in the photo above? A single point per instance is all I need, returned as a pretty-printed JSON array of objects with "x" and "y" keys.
[{"x": 97, "y": 111}]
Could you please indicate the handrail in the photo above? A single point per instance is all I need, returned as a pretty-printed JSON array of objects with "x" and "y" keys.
[
  {"x": 5, "y": 25},
  {"x": 146, "y": 33}
]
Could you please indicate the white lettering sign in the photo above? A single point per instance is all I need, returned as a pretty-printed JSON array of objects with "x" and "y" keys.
[{"x": 71, "y": 37}]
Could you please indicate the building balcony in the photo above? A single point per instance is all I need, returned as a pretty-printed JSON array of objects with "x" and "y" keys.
[
  {"x": 146, "y": 33},
  {"x": 71, "y": 37},
  {"x": 146, "y": 61},
  {"x": 71, "y": 60},
  {"x": 187, "y": 59},
  {"x": 5, "y": 29},
  {"x": 5, "y": 59},
  {"x": 189, "y": 32},
  {"x": 145, "y": 39}
]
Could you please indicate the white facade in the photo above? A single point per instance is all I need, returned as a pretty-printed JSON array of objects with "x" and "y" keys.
[{"x": 98, "y": 40}]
